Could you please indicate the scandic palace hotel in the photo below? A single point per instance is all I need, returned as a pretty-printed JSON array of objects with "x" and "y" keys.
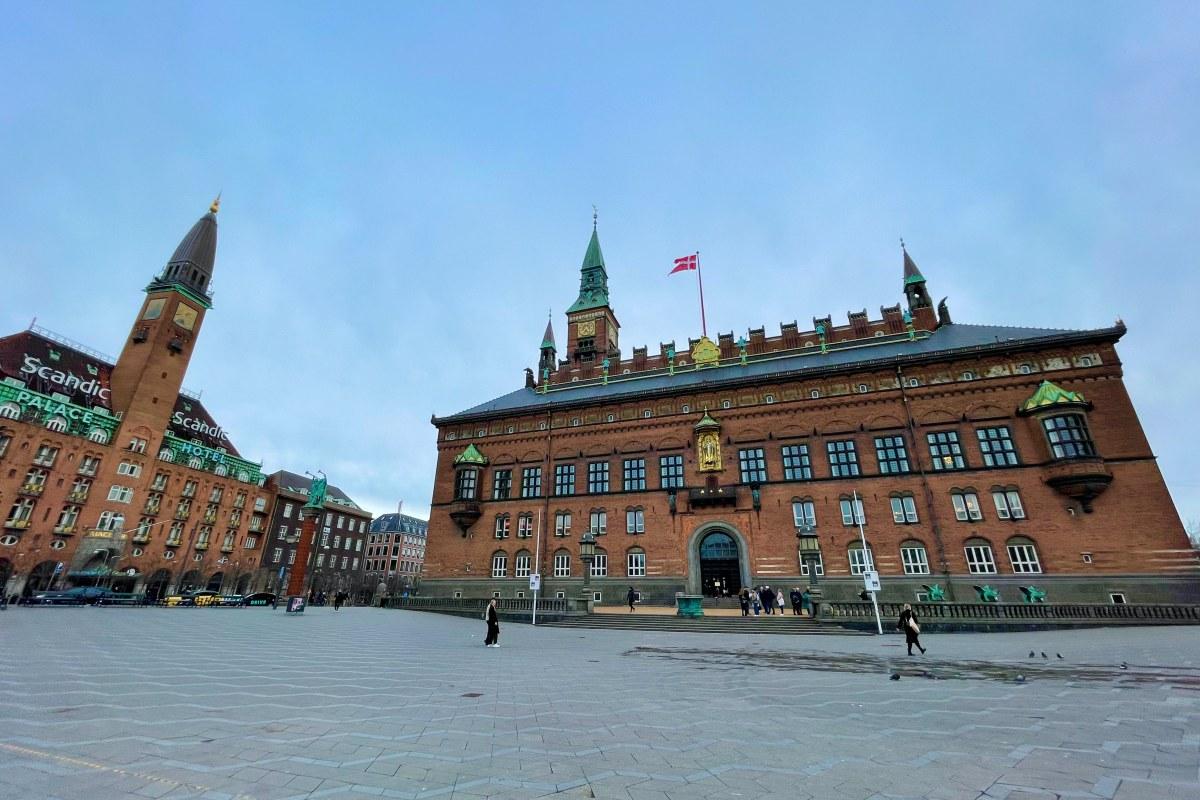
[{"x": 978, "y": 459}]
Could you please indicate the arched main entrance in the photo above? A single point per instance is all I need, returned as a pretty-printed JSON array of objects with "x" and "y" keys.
[
  {"x": 41, "y": 577},
  {"x": 156, "y": 585},
  {"x": 720, "y": 565}
]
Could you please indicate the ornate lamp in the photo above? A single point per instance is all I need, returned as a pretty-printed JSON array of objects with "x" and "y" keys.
[{"x": 587, "y": 554}]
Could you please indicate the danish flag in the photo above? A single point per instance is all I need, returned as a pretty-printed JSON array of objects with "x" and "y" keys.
[{"x": 684, "y": 264}]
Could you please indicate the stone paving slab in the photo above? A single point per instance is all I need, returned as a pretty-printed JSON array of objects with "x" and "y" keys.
[{"x": 128, "y": 704}]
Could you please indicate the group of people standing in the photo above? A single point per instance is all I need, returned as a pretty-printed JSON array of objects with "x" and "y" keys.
[{"x": 765, "y": 599}]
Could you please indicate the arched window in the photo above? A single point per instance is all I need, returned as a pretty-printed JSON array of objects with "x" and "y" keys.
[
  {"x": 1022, "y": 554},
  {"x": 196, "y": 463},
  {"x": 804, "y": 512},
  {"x": 57, "y": 424},
  {"x": 860, "y": 560},
  {"x": 499, "y": 564},
  {"x": 503, "y": 526},
  {"x": 562, "y": 564},
  {"x": 914, "y": 557},
  {"x": 98, "y": 435},
  {"x": 111, "y": 521},
  {"x": 980, "y": 559},
  {"x": 221, "y": 470},
  {"x": 10, "y": 411},
  {"x": 600, "y": 564},
  {"x": 966, "y": 504},
  {"x": 904, "y": 508},
  {"x": 635, "y": 562},
  {"x": 166, "y": 454},
  {"x": 521, "y": 564}
]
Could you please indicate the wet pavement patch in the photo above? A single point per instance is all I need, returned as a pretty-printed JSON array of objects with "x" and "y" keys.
[
  {"x": 926, "y": 667},
  {"x": 472, "y": 694}
]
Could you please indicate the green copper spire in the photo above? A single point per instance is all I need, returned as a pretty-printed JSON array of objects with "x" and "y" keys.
[
  {"x": 593, "y": 280},
  {"x": 911, "y": 273},
  {"x": 1049, "y": 394}
]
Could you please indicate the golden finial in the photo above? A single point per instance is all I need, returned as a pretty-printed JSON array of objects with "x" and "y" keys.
[{"x": 216, "y": 204}]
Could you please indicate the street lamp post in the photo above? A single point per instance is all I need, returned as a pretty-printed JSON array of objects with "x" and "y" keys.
[
  {"x": 587, "y": 554},
  {"x": 810, "y": 553}
]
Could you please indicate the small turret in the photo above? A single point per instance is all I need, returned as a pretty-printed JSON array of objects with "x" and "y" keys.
[{"x": 549, "y": 353}]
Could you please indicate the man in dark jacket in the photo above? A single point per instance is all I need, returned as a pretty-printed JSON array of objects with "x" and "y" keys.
[
  {"x": 796, "y": 600},
  {"x": 632, "y": 597},
  {"x": 493, "y": 623}
]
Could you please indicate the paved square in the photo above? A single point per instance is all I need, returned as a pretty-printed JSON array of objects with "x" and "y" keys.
[{"x": 98, "y": 704}]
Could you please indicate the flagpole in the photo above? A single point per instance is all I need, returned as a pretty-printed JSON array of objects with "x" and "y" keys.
[{"x": 703, "y": 322}]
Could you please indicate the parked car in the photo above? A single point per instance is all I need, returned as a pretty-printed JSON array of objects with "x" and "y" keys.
[
  {"x": 200, "y": 597},
  {"x": 259, "y": 599},
  {"x": 79, "y": 596},
  {"x": 232, "y": 600}
]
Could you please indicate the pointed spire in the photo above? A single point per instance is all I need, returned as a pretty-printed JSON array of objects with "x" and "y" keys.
[
  {"x": 191, "y": 265},
  {"x": 593, "y": 279},
  {"x": 911, "y": 273},
  {"x": 548, "y": 336}
]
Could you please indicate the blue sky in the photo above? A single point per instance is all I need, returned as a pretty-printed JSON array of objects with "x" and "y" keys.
[{"x": 409, "y": 187}]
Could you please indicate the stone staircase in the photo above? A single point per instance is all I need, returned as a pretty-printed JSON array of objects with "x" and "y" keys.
[{"x": 787, "y": 625}]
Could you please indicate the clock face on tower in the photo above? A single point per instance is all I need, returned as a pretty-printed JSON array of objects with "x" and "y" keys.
[
  {"x": 185, "y": 316},
  {"x": 587, "y": 328}
]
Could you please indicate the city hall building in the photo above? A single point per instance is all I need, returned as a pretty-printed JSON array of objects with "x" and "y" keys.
[
  {"x": 111, "y": 472},
  {"x": 980, "y": 461}
]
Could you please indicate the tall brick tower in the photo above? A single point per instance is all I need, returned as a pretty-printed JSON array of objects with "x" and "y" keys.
[
  {"x": 149, "y": 373},
  {"x": 592, "y": 327}
]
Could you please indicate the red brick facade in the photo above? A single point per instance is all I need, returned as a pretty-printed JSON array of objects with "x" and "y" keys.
[{"x": 1080, "y": 528}]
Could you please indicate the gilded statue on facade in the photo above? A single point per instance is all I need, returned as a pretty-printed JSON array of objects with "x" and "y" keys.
[{"x": 708, "y": 446}]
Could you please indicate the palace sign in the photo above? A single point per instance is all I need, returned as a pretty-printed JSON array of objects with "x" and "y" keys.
[{"x": 55, "y": 408}]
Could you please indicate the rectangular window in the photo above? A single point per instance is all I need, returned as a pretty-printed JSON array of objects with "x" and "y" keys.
[
  {"x": 1008, "y": 504},
  {"x": 500, "y": 565},
  {"x": 996, "y": 445},
  {"x": 670, "y": 472},
  {"x": 861, "y": 560},
  {"x": 796, "y": 464},
  {"x": 464, "y": 485},
  {"x": 562, "y": 524},
  {"x": 564, "y": 479},
  {"x": 531, "y": 482},
  {"x": 501, "y": 484},
  {"x": 120, "y": 494},
  {"x": 804, "y": 513},
  {"x": 216, "y": 494},
  {"x": 325, "y": 538},
  {"x": 1069, "y": 436},
  {"x": 980, "y": 560},
  {"x": 752, "y": 464},
  {"x": 89, "y": 464},
  {"x": 597, "y": 477},
  {"x": 277, "y": 555},
  {"x": 525, "y": 526},
  {"x": 892, "y": 455},
  {"x": 966, "y": 506},
  {"x": 521, "y": 566},
  {"x": 600, "y": 565},
  {"x": 320, "y": 559},
  {"x": 904, "y": 510},
  {"x": 843, "y": 458},
  {"x": 945, "y": 450},
  {"x": 818, "y": 562},
  {"x": 916, "y": 561},
  {"x": 562, "y": 565},
  {"x": 635, "y": 565},
  {"x": 291, "y": 557},
  {"x": 502, "y": 526},
  {"x": 635, "y": 521},
  {"x": 852, "y": 512},
  {"x": 45, "y": 455},
  {"x": 634, "y": 474},
  {"x": 189, "y": 489},
  {"x": 250, "y": 542},
  {"x": 598, "y": 523},
  {"x": 129, "y": 468},
  {"x": 137, "y": 445},
  {"x": 1024, "y": 558},
  {"x": 175, "y": 536},
  {"x": 337, "y": 541}
]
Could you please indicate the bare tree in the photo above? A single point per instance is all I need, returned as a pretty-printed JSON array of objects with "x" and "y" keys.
[{"x": 1193, "y": 531}]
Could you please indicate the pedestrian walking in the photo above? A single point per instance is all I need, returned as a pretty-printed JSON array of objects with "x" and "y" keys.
[
  {"x": 744, "y": 601},
  {"x": 796, "y": 600},
  {"x": 779, "y": 601},
  {"x": 756, "y": 601},
  {"x": 912, "y": 629},
  {"x": 338, "y": 600},
  {"x": 632, "y": 597},
  {"x": 493, "y": 623},
  {"x": 806, "y": 602}
]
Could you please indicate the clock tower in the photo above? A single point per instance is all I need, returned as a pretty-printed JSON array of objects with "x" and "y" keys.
[
  {"x": 592, "y": 327},
  {"x": 149, "y": 374}
]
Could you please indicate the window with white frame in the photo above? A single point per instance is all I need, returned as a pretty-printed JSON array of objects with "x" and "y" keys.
[
  {"x": 1008, "y": 504},
  {"x": 945, "y": 450},
  {"x": 111, "y": 521},
  {"x": 521, "y": 565},
  {"x": 277, "y": 555},
  {"x": 904, "y": 510},
  {"x": 804, "y": 513},
  {"x": 600, "y": 565},
  {"x": 500, "y": 565},
  {"x": 966, "y": 506},
  {"x": 502, "y": 526},
  {"x": 45, "y": 455},
  {"x": 635, "y": 564},
  {"x": 635, "y": 521},
  {"x": 129, "y": 468},
  {"x": 562, "y": 564},
  {"x": 914, "y": 558},
  {"x": 562, "y": 523},
  {"x": 860, "y": 560},
  {"x": 598, "y": 522},
  {"x": 524, "y": 526},
  {"x": 852, "y": 511},
  {"x": 980, "y": 560},
  {"x": 818, "y": 563},
  {"x": 1023, "y": 556}
]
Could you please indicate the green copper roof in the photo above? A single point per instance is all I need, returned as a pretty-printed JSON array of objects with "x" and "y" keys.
[
  {"x": 911, "y": 273},
  {"x": 593, "y": 279},
  {"x": 706, "y": 422},
  {"x": 1048, "y": 394},
  {"x": 470, "y": 456}
]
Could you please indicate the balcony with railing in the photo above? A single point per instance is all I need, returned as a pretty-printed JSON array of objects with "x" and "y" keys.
[
  {"x": 182, "y": 512},
  {"x": 64, "y": 530},
  {"x": 17, "y": 523},
  {"x": 32, "y": 489},
  {"x": 78, "y": 496},
  {"x": 201, "y": 546}
]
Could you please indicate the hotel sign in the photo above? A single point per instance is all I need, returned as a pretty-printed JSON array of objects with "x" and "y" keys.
[{"x": 67, "y": 381}]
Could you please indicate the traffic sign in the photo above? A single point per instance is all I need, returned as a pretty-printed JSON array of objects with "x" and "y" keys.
[
  {"x": 871, "y": 580},
  {"x": 535, "y": 582}
]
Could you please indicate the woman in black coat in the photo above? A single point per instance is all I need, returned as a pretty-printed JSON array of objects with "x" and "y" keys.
[
  {"x": 493, "y": 623},
  {"x": 912, "y": 630}
]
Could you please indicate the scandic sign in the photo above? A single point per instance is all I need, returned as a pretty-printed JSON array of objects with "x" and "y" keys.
[
  {"x": 198, "y": 426},
  {"x": 67, "y": 380}
]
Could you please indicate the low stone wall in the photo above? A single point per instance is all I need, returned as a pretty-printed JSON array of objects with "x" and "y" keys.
[
  {"x": 510, "y": 610},
  {"x": 1011, "y": 616}
]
